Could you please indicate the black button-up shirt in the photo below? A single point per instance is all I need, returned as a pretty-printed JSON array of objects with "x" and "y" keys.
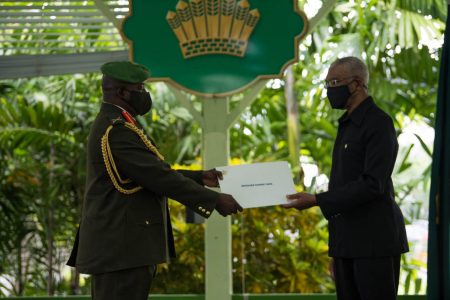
[{"x": 364, "y": 219}]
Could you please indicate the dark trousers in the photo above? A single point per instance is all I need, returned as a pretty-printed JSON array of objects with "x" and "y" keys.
[
  {"x": 367, "y": 278},
  {"x": 128, "y": 284}
]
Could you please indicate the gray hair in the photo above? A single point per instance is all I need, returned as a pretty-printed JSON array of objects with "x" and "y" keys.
[{"x": 356, "y": 67}]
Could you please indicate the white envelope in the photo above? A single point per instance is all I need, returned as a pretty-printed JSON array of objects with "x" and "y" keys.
[{"x": 257, "y": 185}]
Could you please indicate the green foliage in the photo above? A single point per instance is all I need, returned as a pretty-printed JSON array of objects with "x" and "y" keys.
[
  {"x": 280, "y": 250},
  {"x": 44, "y": 173},
  {"x": 172, "y": 126},
  {"x": 44, "y": 123}
]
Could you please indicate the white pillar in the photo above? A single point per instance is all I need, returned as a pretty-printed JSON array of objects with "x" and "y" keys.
[{"x": 216, "y": 152}]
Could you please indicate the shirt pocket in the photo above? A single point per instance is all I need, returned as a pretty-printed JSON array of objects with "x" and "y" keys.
[
  {"x": 143, "y": 218},
  {"x": 353, "y": 155},
  {"x": 145, "y": 233}
]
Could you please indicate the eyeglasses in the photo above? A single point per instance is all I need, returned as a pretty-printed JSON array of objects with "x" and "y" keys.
[{"x": 335, "y": 82}]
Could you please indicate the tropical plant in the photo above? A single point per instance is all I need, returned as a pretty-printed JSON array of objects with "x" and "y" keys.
[
  {"x": 44, "y": 146},
  {"x": 44, "y": 123}
]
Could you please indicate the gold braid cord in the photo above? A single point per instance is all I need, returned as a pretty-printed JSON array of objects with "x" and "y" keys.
[
  {"x": 144, "y": 138},
  {"x": 111, "y": 165}
]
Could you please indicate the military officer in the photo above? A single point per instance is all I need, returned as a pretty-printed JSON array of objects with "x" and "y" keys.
[{"x": 125, "y": 229}]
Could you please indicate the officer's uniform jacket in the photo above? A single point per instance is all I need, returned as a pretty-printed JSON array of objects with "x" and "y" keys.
[
  {"x": 125, "y": 219},
  {"x": 363, "y": 218}
]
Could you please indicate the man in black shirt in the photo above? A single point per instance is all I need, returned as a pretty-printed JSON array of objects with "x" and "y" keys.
[{"x": 366, "y": 227}]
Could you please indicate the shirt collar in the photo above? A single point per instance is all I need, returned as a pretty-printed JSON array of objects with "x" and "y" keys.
[
  {"x": 114, "y": 108},
  {"x": 357, "y": 116},
  {"x": 109, "y": 107}
]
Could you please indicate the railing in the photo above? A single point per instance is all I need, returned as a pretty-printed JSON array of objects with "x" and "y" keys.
[{"x": 234, "y": 297}]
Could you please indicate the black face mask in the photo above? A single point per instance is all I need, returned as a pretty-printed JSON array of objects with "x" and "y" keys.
[
  {"x": 338, "y": 96},
  {"x": 141, "y": 101}
]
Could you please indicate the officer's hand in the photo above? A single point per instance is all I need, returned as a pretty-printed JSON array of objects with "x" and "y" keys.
[
  {"x": 227, "y": 205},
  {"x": 300, "y": 201},
  {"x": 211, "y": 177}
]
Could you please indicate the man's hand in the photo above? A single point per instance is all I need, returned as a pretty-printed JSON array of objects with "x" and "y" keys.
[
  {"x": 227, "y": 205},
  {"x": 300, "y": 201},
  {"x": 211, "y": 177}
]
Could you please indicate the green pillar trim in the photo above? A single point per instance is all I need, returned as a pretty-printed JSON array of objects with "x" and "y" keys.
[{"x": 439, "y": 202}]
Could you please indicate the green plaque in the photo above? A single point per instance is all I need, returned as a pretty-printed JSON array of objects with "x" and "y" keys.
[{"x": 214, "y": 47}]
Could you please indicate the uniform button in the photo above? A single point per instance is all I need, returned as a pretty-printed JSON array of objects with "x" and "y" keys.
[
  {"x": 345, "y": 146},
  {"x": 200, "y": 208},
  {"x": 203, "y": 210},
  {"x": 208, "y": 213},
  {"x": 147, "y": 222}
]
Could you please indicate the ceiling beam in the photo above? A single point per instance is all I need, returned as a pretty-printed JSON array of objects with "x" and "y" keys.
[
  {"x": 24, "y": 66},
  {"x": 106, "y": 11}
]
